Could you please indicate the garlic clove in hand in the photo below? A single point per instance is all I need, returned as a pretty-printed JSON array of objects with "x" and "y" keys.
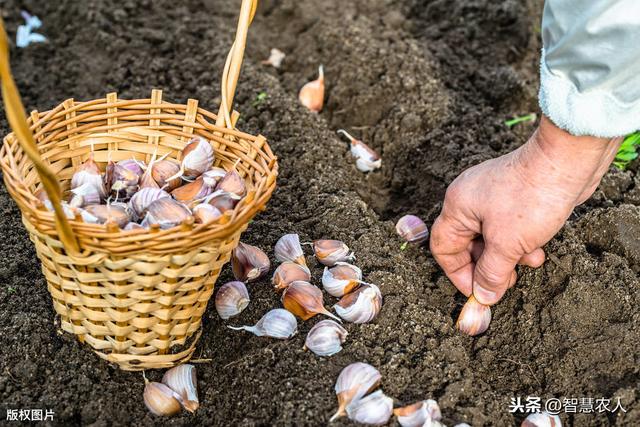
[
  {"x": 354, "y": 381},
  {"x": 277, "y": 323},
  {"x": 312, "y": 94},
  {"x": 249, "y": 262},
  {"x": 412, "y": 229},
  {"x": 305, "y": 300},
  {"x": 325, "y": 338},
  {"x": 231, "y": 299},
  {"x": 160, "y": 399},
  {"x": 289, "y": 272},
  {"x": 367, "y": 159},
  {"x": 341, "y": 279},
  {"x": 329, "y": 252},
  {"x": 182, "y": 380},
  {"x": 375, "y": 409},
  {"x": 360, "y": 306},
  {"x": 418, "y": 414},
  {"x": 474, "y": 318},
  {"x": 542, "y": 419},
  {"x": 288, "y": 249}
]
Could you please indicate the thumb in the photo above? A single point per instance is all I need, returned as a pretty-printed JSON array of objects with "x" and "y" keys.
[{"x": 492, "y": 274}]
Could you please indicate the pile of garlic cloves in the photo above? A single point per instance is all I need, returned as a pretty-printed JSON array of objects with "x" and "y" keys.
[
  {"x": 177, "y": 390},
  {"x": 132, "y": 195}
]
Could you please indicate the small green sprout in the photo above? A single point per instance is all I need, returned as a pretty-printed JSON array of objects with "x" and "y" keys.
[
  {"x": 11, "y": 289},
  {"x": 529, "y": 118},
  {"x": 260, "y": 98},
  {"x": 404, "y": 246},
  {"x": 628, "y": 151}
]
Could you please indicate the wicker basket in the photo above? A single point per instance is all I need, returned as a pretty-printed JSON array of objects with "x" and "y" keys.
[{"x": 136, "y": 297}]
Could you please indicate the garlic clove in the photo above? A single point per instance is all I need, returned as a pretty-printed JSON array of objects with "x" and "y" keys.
[
  {"x": 354, "y": 381},
  {"x": 166, "y": 212},
  {"x": 122, "y": 182},
  {"x": 135, "y": 166},
  {"x": 305, "y": 300},
  {"x": 329, "y": 252},
  {"x": 233, "y": 183},
  {"x": 89, "y": 172},
  {"x": 275, "y": 59},
  {"x": 289, "y": 272},
  {"x": 192, "y": 191},
  {"x": 474, "y": 318},
  {"x": 111, "y": 213},
  {"x": 182, "y": 380},
  {"x": 144, "y": 197},
  {"x": 231, "y": 299},
  {"x": 197, "y": 158},
  {"x": 312, "y": 94},
  {"x": 465, "y": 425},
  {"x": 162, "y": 171},
  {"x": 222, "y": 200},
  {"x": 133, "y": 226},
  {"x": 341, "y": 279},
  {"x": 412, "y": 229},
  {"x": 249, "y": 262},
  {"x": 86, "y": 194},
  {"x": 213, "y": 176},
  {"x": 205, "y": 213},
  {"x": 374, "y": 409},
  {"x": 277, "y": 323},
  {"x": 542, "y": 419},
  {"x": 288, "y": 249},
  {"x": 360, "y": 306},
  {"x": 325, "y": 338},
  {"x": 160, "y": 399},
  {"x": 418, "y": 414},
  {"x": 367, "y": 159}
]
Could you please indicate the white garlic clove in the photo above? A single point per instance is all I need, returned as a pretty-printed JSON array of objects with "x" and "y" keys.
[
  {"x": 222, "y": 200},
  {"x": 197, "y": 158},
  {"x": 360, "y": 306},
  {"x": 354, "y": 381},
  {"x": 111, "y": 213},
  {"x": 289, "y": 272},
  {"x": 463, "y": 425},
  {"x": 305, "y": 300},
  {"x": 192, "y": 192},
  {"x": 288, "y": 249},
  {"x": 232, "y": 183},
  {"x": 144, "y": 197},
  {"x": 326, "y": 338},
  {"x": 412, "y": 229},
  {"x": 367, "y": 159},
  {"x": 160, "y": 399},
  {"x": 133, "y": 226},
  {"x": 182, "y": 380},
  {"x": 474, "y": 318},
  {"x": 86, "y": 194},
  {"x": 277, "y": 323},
  {"x": 213, "y": 176},
  {"x": 341, "y": 279},
  {"x": 329, "y": 252},
  {"x": 249, "y": 262},
  {"x": 375, "y": 409},
  {"x": 135, "y": 166},
  {"x": 418, "y": 414},
  {"x": 231, "y": 299},
  {"x": 89, "y": 172},
  {"x": 542, "y": 419},
  {"x": 167, "y": 213},
  {"x": 122, "y": 182},
  {"x": 162, "y": 172},
  {"x": 275, "y": 59},
  {"x": 205, "y": 213},
  {"x": 312, "y": 94}
]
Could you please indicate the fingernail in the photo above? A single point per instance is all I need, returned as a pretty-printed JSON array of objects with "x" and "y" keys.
[{"x": 483, "y": 295}]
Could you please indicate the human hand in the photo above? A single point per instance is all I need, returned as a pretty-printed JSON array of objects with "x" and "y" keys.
[{"x": 501, "y": 212}]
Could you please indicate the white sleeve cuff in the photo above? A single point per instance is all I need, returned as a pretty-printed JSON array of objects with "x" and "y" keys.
[{"x": 593, "y": 112}]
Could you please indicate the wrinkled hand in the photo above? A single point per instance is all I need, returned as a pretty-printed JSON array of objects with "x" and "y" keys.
[{"x": 501, "y": 212}]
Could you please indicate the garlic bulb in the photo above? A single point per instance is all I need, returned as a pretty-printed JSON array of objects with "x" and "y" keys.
[
  {"x": 360, "y": 306},
  {"x": 182, "y": 380},
  {"x": 542, "y": 419},
  {"x": 160, "y": 399},
  {"x": 213, "y": 176},
  {"x": 275, "y": 59},
  {"x": 222, "y": 200},
  {"x": 111, "y": 213},
  {"x": 166, "y": 212},
  {"x": 89, "y": 172},
  {"x": 121, "y": 181},
  {"x": 374, "y": 409},
  {"x": 86, "y": 194},
  {"x": 289, "y": 272},
  {"x": 474, "y": 318},
  {"x": 312, "y": 94},
  {"x": 162, "y": 171},
  {"x": 197, "y": 158},
  {"x": 354, "y": 381},
  {"x": 205, "y": 213},
  {"x": 418, "y": 414},
  {"x": 144, "y": 197},
  {"x": 341, "y": 279},
  {"x": 305, "y": 300},
  {"x": 249, "y": 262},
  {"x": 231, "y": 299},
  {"x": 191, "y": 192},
  {"x": 233, "y": 184},
  {"x": 412, "y": 229},
  {"x": 288, "y": 249},
  {"x": 325, "y": 338},
  {"x": 277, "y": 323},
  {"x": 329, "y": 252},
  {"x": 367, "y": 159}
]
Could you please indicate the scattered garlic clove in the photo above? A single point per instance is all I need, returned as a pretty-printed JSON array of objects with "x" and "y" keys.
[
  {"x": 341, "y": 279},
  {"x": 160, "y": 399},
  {"x": 289, "y": 272},
  {"x": 542, "y": 419},
  {"x": 231, "y": 299},
  {"x": 86, "y": 194},
  {"x": 412, "y": 229},
  {"x": 418, "y": 414},
  {"x": 213, "y": 176},
  {"x": 111, "y": 213},
  {"x": 205, "y": 213},
  {"x": 232, "y": 183},
  {"x": 144, "y": 197},
  {"x": 354, "y": 381},
  {"x": 329, "y": 252},
  {"x": 162, "y": 172},
  {"x": 167, "y": 213},
  {"x": 89, "y": 172},
  {"x": 474, "y": 318},
  {"x": 277, "y": 323},
  {"x": 197, "y": 158},
  {"x": 325, "y": 338},
  {"x": 288, "y": 249},
  {"x": 192, "y": 191},
  {"x": 249, "y": 262},
  {"x": 367, "y": 159},
  {"x": 275, "y": 59},
  {"x": 222, "y": 200},
  {"x": 360, "y": 306},
  {"x": 123, "y": 182},
  {"x": 312, "y": 94},
  {"x": 374, "y": 409},
  {"x": 182, "y": 380},
  {"x": 305, "y": 300}
]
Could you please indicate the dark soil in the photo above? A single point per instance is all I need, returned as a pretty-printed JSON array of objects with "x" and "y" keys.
[{"x": 428, "y": 83}]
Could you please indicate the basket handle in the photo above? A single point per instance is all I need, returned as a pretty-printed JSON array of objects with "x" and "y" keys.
[
  {"x": 18, "y": 120},
  {"x": 234, "y": 63}
]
